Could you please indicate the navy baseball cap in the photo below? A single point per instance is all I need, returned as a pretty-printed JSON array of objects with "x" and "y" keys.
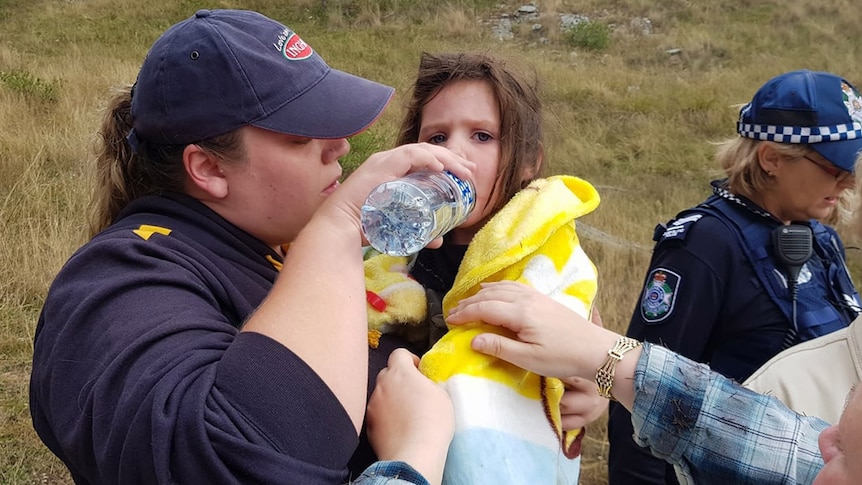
[
  {"x": 221, "y": 70},
  {"x": 819, "y": 109}
]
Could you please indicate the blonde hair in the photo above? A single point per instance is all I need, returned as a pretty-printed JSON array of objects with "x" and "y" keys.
[
  {"x": 855, "y": 218},
  {"x": 741, "y": 164}
]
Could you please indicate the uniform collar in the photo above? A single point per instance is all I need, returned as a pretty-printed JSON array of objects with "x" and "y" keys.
[{"x": 720, "y": 189}]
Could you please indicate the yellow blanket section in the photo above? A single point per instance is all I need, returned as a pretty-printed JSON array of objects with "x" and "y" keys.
[{"x": 531, "y": 240}]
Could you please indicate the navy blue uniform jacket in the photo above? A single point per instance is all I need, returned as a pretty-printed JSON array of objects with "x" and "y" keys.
[{"x": 140, "y": 374}]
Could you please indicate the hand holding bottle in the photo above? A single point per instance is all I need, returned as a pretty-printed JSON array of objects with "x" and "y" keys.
[
  {"x": 402, "y": 216},
  {"x": 390, "y": 165}
]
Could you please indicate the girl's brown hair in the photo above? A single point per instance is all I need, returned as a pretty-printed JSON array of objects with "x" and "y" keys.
[{"x": 521, "y": 129}]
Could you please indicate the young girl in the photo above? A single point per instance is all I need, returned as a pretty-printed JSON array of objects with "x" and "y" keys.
[{"x": 482, "y": 109}]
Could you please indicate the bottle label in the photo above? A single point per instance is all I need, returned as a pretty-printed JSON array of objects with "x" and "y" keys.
[{"x": 464, "y": 187}]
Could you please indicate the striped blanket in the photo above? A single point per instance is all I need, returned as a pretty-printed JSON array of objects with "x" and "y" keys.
[{"x": 507, "y": 420}]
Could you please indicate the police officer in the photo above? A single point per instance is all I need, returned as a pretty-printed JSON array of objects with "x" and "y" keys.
[{"x": 751, "y": 271}]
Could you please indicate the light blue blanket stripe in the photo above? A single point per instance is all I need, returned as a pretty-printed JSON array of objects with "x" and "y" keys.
[{"x": 482, "y": 456}]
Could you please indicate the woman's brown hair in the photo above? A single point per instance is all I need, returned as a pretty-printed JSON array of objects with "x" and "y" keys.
[{"x": 124, "y": 174}]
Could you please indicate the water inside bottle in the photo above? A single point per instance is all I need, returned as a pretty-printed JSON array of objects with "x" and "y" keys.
[
  {"x": 397, "y": 220},
  {"x": 402, "y": 216}
]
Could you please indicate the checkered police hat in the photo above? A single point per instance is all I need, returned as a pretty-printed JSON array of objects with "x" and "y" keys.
[
  {"x": 221, "y": 70},
  {"x": 815, "y": 108}
]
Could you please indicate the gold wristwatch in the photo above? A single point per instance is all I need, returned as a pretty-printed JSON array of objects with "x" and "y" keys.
[{"x": 605, "y": 373}]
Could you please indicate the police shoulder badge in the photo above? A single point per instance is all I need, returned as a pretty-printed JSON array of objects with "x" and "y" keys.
[{"x": 659, "y": 295}]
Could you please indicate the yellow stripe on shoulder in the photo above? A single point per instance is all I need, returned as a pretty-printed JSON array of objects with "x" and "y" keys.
[
  {"x": 274, "y": 262},
  {"x": 144, "y": 231}
]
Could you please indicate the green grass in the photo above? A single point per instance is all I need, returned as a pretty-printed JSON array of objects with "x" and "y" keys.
[
  {"x": 589, "y": 35},
  {"x": 633, "y": 113},
  {"x": 31, "y": 86}
]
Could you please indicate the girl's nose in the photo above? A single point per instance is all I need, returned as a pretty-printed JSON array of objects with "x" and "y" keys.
[{"x": 458, "y": 148}]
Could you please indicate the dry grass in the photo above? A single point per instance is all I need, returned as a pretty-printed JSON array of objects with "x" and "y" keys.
[{"x": 633, "y": 119}]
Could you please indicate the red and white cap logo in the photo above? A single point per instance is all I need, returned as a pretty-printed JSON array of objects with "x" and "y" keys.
[{"x": 296, "y": 49}]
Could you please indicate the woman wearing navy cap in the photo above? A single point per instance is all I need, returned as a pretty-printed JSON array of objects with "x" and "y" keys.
[
  {"x": 751, "y": 270},
  {"x": 184, "y": 343}
]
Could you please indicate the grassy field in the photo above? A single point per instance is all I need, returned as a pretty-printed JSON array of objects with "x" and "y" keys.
[{"x": 633, "y": 104}]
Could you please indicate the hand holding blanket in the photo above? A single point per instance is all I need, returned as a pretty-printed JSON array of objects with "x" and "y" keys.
[{"x": 508, "y": 427}]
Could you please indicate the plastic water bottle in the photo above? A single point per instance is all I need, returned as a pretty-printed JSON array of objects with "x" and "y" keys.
[{"x": 402, "y": 216}]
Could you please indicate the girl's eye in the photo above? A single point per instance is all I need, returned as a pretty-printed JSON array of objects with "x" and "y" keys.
[
  {"x": 437, "y": 139},
  {"x": 483, "y": 136}
]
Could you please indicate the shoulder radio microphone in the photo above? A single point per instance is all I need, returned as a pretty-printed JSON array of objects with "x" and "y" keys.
[{"x": 793, "y": 248}]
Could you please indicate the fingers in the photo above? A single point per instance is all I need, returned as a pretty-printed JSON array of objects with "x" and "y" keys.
[
  {"x": 570, "y": 422},
  {"x": 504, "y": 291},
  {"x": 447, "y": 159},
  {"x": 513, "y": 351},
  {"x": 595, "y": 317},
  {"x": 435, "y": 243},
  {"x": 403, "y": 357},
  {"x": 494, "y": 312},
  {"x": 400, "y": 360},
  {"x": 489, "y": 343},
  {"x": 423, "y": 156},
  {"x": 581, "y": 403},
  {"x": 496, "y": 304},
  {"x": 577, "y": 384},
  {"x": 391, "y": 164},
  {"x": 549, "y": 338},
  {"x": 410, "y": 418}
]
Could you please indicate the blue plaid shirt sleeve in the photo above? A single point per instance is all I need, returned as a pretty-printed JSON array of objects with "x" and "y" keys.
[
  {"x": 716, "y": 432},
  {"x": 390, "y": 473}
]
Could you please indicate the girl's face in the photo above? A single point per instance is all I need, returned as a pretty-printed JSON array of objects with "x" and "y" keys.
[
  {"x": 464, "y": 117},
  {"x": 807, "y": 188},
  {"x": 283, "y": 180}
]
